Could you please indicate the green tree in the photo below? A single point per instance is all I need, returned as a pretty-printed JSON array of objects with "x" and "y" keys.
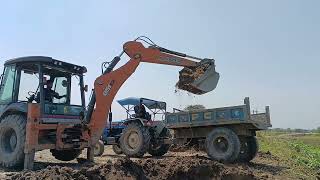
[
  {"x": 194, "y": 107},
  {"x": 316, "y": 130}
]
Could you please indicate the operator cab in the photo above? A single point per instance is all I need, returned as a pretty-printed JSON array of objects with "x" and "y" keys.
[{"x": 55, "y": 85}]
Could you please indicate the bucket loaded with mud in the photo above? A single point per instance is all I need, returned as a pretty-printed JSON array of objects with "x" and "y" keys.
[{"x": 200, "y": 79}]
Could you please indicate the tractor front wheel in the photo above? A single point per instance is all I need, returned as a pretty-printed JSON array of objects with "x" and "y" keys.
[
  {"x": 116, "y": 149},
  {"x": 135, "y": 139},
  {"x": 99, "y": 148},
  {"x": 12, "y": 140}
]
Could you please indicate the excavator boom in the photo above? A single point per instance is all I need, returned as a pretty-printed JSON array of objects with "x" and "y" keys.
[{"x": 196, "y": 77}]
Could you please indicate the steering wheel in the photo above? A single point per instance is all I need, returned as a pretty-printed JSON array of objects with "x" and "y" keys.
[
  {"x": 32, "y": 96},
  {"x": 30, "y": 93}
]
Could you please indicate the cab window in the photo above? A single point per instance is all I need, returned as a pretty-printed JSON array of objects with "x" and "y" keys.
[
  {"x": 28, "y": 85},
  {"x": 75, "y": 90},
  {"x": 7, "y": 84},
  {"x": 60, "y": 86}
]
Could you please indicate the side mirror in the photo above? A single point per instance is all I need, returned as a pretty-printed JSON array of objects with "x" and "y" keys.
[
  {"x": 85, "y": 88},
  {"x": 1, "y": 77}
]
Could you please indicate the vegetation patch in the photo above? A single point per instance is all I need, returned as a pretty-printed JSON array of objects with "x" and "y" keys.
[
  {"x": 307, "y": 155},
  {"x": 300, "y": 152}
]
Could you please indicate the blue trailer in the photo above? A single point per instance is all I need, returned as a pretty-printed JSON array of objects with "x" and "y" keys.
[{"x": 226, "y": 133}]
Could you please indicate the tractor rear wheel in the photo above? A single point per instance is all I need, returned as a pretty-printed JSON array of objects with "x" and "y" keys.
[
  {"x": 12, "y": 140},
  {"x": 65, "y": 155},
  {"x": 160, "y": 149},
  {"x": 249, "y": 148},
  {"x": 116, "y": 149},
  {"x": 222, "y": 144},
  {"x": 135, "y": 139}
]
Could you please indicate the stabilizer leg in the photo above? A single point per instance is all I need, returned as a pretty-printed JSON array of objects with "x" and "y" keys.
[
  {"x": 29, "y": 160},
  {"x": 90, "y": 154}
]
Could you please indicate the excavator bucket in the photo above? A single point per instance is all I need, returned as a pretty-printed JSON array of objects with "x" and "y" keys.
[
  {"x": 200, "y": 79},
  {"x": 208, "y": 81}
]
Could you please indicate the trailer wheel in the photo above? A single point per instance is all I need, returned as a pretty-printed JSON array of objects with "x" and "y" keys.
[
  {"x": 65, "y": 155},
  {"x": 135, "y": 139},
  {"x": 249, "y": 148},
  {"x": 99, "y": 148},
  {"x": 116, "y": 149},
  {"x": 12, "y": 140},
  {"x": 160, "y": 149},
  {"x": 222, "y": 144}
]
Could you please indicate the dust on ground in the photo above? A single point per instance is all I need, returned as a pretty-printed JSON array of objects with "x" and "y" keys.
[{"x": 189, "y": 164}]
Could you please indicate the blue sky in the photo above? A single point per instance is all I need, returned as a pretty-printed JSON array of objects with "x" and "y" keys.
[{"x": 267, "y": 50}]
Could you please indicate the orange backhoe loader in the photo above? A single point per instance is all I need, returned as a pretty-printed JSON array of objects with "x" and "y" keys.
[{"x": 37, "y": 109}]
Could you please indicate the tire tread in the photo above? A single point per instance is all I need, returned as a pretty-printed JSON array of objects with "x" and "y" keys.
[
  {"x": 17, "y": 122},
  {"x": 233, "y": 139},
  {"x": 145, "y": 136}
]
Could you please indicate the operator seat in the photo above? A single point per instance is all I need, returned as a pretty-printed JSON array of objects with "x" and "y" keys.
[{"x": 140, "y": 112}]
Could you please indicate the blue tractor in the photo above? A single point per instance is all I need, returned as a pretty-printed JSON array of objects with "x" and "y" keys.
[{"x": 144, "y": 123}]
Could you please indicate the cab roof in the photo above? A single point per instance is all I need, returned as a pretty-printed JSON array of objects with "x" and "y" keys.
[
  {"x": 48, "y": 61},
  {"x": 149, "y": 103}
]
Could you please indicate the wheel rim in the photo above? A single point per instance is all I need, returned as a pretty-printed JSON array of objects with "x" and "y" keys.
[
  {"x": 133, "y": 140},
  {"x": 244, "y": 148},
  {"x": 9, "y": 141},
  {"x": 221, "y": 144}
]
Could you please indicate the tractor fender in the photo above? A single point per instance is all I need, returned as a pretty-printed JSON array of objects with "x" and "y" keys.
[
  {"x": 137, "y": 120},
  {"x": 158, "y": 126},
  {"x": 13, "y": 108}
]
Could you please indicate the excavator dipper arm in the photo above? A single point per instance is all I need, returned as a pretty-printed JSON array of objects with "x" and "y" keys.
[{"x": 136, "y": 50}]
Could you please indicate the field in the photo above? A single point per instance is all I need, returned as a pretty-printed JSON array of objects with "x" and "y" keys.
[
  {"x": 299, "y": 151},
  {"x": 281, "y": 156}
]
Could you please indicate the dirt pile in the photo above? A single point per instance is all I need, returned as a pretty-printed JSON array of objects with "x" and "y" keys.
[
  {"x": 185, "y": 168},
  {"x": 188, "y": 75}
]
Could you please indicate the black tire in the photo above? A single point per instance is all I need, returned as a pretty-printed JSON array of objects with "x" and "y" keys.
[
  {"x": 12, "y": 140},
  {"x": 222, "y": 144},
  {"x": 249, "y": 148},
  {"x": 116, "y": 149},
  {"x": 160, "y": 149},
  {"x": 65, "y": 155},
  {"x": 135, "y": 139},
  {"x": 99, "y": 148}
]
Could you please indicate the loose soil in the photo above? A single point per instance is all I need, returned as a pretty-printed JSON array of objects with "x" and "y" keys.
[
  {"x": 189, "y": 164},
  {"x": 188, "y": 75}
]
